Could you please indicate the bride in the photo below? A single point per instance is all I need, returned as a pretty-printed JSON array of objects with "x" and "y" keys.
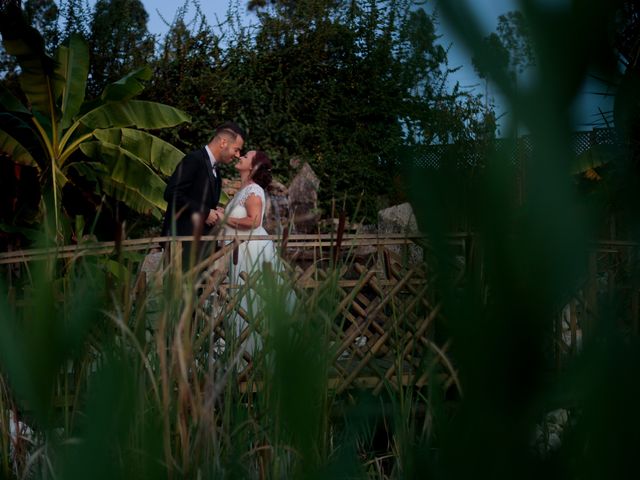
[{"x": 244, "y": 217}]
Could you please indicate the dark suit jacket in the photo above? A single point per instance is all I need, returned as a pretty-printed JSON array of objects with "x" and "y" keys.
[{"x": 192, "y": 188}]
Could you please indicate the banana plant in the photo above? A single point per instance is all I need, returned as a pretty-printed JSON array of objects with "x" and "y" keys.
[{"x": 65, "y": 137}]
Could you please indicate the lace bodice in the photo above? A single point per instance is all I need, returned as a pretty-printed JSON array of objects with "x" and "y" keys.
[
  {"x": 241, "y": 196},
  {"x": 236, "y": 207}
]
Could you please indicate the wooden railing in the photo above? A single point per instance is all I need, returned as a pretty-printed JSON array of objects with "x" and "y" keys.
[{"x": 384, "y": 322}]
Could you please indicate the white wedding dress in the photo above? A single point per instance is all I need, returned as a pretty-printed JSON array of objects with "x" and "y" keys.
[{"x": 251, "y": 257}]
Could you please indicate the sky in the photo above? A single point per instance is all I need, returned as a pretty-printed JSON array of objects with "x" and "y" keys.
[{"x": 487, "y": 12}]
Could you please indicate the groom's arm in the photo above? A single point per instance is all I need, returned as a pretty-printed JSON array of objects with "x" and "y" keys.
[{"x": 181, "y": 184}]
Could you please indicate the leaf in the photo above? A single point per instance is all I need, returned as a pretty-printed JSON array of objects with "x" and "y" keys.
[
  {"x": 36, "y": 68},
  {"x": 15, "y": 150},
  {"x": 152, "y": 150},
  {"x": 224, "y": 198},
  {"x": 128, "y": 179},
  {"x": 134, "y": 113},
  {"x": 131, "y": 197},
  {"x": 592, "y": 175},
  {"x": 10, "y": 103},
  {"x": 30, "y": 233},
  {"x": 92, "y": 173},
  {"x": 117, "y": 269},
  {"x": 45, "y": 123},
  {"x": 61, "y": 178},
  {"x": 595, "y": 157},
  {"x": 19, "y": 140},
  {"x": 128, "y": 86},
  {"x": 73, "y": 68}
]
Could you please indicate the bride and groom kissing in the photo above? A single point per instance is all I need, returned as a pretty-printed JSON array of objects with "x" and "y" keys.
[{"x": 193, "y": 193}]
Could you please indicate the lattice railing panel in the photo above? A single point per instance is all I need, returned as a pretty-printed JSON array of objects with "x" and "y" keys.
[{"x": 381, "y": 330}]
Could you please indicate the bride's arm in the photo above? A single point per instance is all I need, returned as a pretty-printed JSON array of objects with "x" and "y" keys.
[{"x": 253, "y": 206}]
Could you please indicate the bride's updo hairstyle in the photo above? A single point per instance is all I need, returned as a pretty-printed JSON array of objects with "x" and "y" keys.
[{"x": 261, "y": 169}]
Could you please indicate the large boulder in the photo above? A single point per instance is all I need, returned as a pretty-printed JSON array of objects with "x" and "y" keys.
[
  {"x": 303, "y": 200},
  {"x": 401, "y": 219},
  {"x": 277, "y": 211}
]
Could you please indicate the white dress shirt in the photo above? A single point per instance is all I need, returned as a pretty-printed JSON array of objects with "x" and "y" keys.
[{"x": 212, "y": 159}]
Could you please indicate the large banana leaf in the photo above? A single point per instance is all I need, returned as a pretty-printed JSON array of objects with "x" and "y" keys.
[
  {"x": 73, "y": 68},
  {"x": 10, "y": 103},
  {"x": 129, "y": 179},
  {"x": 15, "y": 150},
  {"x": 130, "y": 197},
  {"x": 128, "y": 86},
  {"x": 36, "y": 67},
  {"x": 162, "y": 156},
  {"x": 19, "y": 140},
  {"x": 134, "y": 113}
]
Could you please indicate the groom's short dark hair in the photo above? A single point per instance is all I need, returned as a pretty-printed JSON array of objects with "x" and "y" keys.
[{"x": 231, "y": 128}]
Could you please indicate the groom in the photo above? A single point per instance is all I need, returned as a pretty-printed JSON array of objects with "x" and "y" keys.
[{"x": 193, "y": 191}]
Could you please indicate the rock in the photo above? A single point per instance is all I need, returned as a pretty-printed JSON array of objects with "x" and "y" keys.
[
  {"x": 558, "y": 417},
  {"x": 303, "y": 200},
  {"x": 362, "y": 229},
  {"x": 547, "y": 435},
  {"x": 277, "y": 188},
  {"x": 277, "y": 212},
  {"x": 400, "y": 219}
]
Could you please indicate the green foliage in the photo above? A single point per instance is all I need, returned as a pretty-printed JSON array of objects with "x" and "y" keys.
[
  {"x": 512, "y": 46},
  {"x": 43, "y": 16},
  {"x": 59, "y": 125}
]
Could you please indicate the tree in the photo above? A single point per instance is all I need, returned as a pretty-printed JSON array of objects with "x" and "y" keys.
[
  {"x": 43, "y": 16},
  {"x": 65, "y": 138},
  {"x": 119, "y": 41},
  {"x": 511, "y": 49},
  {"x": 75, "y": 17},
  {"x": 189, "y": 73},
  {"x": 513, "y": 31}
]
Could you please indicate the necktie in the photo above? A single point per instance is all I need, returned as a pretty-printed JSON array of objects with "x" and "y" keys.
[{"x": 215, "y": 170}]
